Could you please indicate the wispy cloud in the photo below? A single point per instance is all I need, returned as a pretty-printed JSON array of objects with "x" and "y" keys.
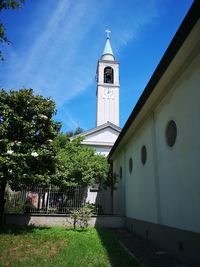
[{"x": 60, "y": 49}]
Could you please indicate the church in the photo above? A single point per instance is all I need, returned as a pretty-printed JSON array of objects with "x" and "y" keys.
[
  {"x": 102, "y": 137},
  {"x": 157, "y": 154}
]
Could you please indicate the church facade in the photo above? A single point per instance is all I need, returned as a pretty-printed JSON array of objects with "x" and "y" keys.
[
  {"x": 102, "y": 137},
  {"x": 157, "y": 154}
]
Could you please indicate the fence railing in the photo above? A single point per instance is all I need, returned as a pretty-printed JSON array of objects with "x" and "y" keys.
[{"x": 53, "y": 200}]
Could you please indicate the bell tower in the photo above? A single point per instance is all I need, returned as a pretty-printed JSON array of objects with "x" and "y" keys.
[{"x": 107, "y": 92}]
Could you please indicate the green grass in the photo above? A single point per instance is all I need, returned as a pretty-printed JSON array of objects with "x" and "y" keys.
[{"x": 56, "y": 246}]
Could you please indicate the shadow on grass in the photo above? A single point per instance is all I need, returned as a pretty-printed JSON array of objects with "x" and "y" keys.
[
  {"x": 79, "y": 230},
  {"x": 118, "y": 257},
  {"x": 20, "y": 229}
]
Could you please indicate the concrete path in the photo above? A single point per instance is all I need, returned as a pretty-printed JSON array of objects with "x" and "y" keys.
[{"x": 147, "y": 254}]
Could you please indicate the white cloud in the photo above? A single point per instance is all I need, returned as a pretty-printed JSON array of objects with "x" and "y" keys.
[{"x": 60, "y": 49}]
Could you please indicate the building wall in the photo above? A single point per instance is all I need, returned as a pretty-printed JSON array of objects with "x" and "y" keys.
[
  {"x": 100, "y": 71},
  {"x": 107, "y": 107},
  {"x": 62, "y": 220},
  {"x": 161, "y": 198},
  {"x": 101, "y": 140},
  {"x": 105, "y": 135},
  {"x": 179, "y": 166},
  {"x": 119, "y": 192},
  {"x": 166, "y": 189},
  {"x": 140, "y": 183}
]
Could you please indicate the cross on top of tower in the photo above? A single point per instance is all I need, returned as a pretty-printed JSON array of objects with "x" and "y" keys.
[{"x": 108, "y": 33}]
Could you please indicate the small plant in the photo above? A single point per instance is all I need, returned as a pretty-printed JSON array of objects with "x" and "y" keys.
[
  {"x": 13, "y": 207},
  {"x": 75, "y": 216},
  {"x": 81, "y": 217},
  {"x": 85, "y": 215},
  {"x": 28, "y": 206},
  {"x": 52, "y": 210},
  {"x": 91, "y": 206},
  {"x": 13, "y": 203}
]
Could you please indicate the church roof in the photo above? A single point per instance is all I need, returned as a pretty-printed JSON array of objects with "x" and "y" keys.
[
  {"x": 103, "y": 135},
  {"x": 98, "y": 137},
  {"x": 100, "y": 127},
  {"x": 107, "y": 52}
]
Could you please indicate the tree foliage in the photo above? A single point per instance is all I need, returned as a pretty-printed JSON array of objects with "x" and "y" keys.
[
  {"x": 81, "y": 217},
  {"x": 78, "y": 164},
  {"x": 77, "y": 131},
  {"x": 7, "y": 4},
  {"x": 27, "y": 130},
  {"x": 60, "y": 141}
]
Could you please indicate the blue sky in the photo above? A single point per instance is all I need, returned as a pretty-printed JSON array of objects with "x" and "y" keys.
[{"x": 56, "y": 45}]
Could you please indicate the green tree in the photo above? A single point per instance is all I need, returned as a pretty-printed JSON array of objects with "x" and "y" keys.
[
  {"x": 61, "y": 140},
  {"x": 78, "y": 164},
  {"x": 7, "y": 4},
  {"x": 27, "y": 130},
  {"x": 77, "y": 131}
]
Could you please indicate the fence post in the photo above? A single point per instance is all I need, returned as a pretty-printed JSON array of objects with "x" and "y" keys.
[{"x": 48, "y": 197}]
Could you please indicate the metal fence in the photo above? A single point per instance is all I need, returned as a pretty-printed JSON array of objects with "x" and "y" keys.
[{"x": 53, "y": 200}]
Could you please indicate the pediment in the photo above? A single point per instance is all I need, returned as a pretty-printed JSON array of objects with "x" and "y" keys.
[{"x": 103, "y": 134}]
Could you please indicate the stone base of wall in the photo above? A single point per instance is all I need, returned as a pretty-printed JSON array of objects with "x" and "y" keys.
[
  {"x": 62, "y": 220},
  {"x": 183, "y": 244}
]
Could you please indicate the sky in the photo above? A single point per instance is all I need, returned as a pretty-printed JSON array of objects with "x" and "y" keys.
[{"x": 56, "y": 44}]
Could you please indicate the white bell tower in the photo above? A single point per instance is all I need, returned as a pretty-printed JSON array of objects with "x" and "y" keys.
[{"x": 107, "y": 86}]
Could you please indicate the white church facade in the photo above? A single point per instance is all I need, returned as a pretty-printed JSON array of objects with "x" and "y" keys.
[
  {"x": 102, "y": 137},
  {"x": 157, "y": 154}
]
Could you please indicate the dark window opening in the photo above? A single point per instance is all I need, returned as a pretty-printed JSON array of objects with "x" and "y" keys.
[
  {"x": 180, "y": 244},
  {"x": 171, "y": 133},
  {"x": 147, "y": 234},
  {"x": 108, "y": 75},
  {"x": 143, "y": 154},
  {"x": 130, "y": 165}
]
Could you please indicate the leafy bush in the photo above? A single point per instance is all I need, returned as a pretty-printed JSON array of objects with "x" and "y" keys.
[
  {"x": 85, "y": 215},
  {"x": 13, "y": 204},
  {"x": 28, "y": 206},
  {"x": 81, "y": 217},
  {"x": 13, "y": 207},
  {"x": 75, "y": 217}
]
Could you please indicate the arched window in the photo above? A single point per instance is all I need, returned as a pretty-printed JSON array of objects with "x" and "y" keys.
[{"x": 108, "y": 75}]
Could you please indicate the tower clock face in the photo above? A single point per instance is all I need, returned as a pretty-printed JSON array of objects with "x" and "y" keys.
[{"x": 108, "y": 92}]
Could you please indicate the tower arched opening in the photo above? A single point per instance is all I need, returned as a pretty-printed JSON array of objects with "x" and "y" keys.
[{"x": 108, "y": 75}]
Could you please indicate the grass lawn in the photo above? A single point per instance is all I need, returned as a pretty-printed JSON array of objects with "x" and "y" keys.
[{"x": 56, "y": 246}]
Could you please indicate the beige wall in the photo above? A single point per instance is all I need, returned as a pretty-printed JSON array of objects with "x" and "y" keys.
[
  {"x": 140, "y": 184},
  {"x": 166, "y": 190},
  {"x": 63, "y": 220},
  {"x": 119, "y": 192},
  {"x": 179, "y": 166}
]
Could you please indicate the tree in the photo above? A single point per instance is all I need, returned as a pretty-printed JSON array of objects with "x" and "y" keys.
[
  {"x": 79, "y": 165},
  {"x": 78, "y": 130},
  {"x": 111, "y": 182},
  {"x": 73, "y": 133},
  {"x": 27, "y": 130},
  {"x": 7, "y": 4},
  {"x": 61, "y": 140}
]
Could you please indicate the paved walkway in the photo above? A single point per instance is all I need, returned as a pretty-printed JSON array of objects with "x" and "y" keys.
[{"x": 147, "y": 254}]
